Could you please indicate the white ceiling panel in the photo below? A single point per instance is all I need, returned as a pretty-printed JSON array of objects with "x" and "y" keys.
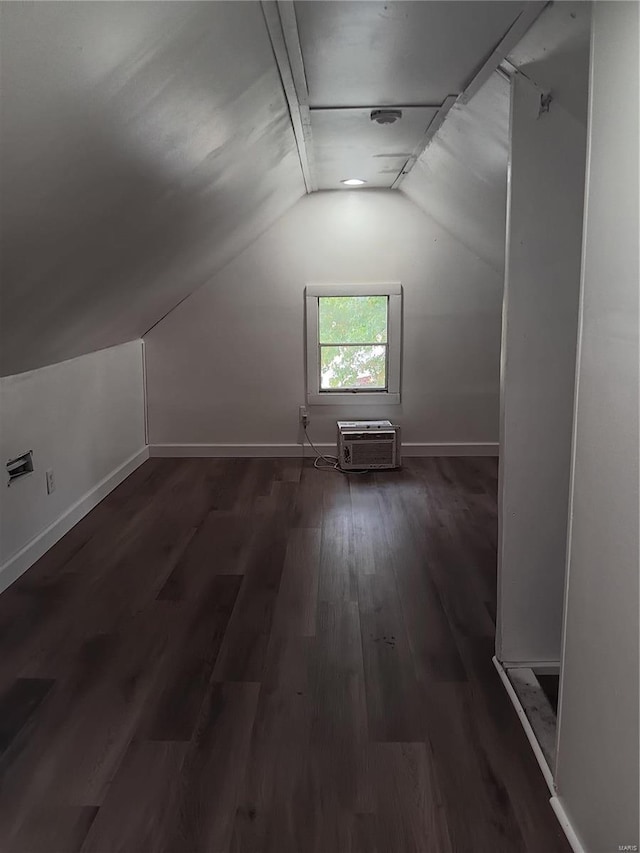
[
  {"x": 143, "y": 145},
  {"x": 373, "y": 152},
  {"x": 394, "y": 53}
]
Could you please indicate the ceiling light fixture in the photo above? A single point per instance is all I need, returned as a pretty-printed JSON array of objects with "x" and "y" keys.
[
  {"x": 353, "y": 182},
  {"x": 386, "y": 116}
]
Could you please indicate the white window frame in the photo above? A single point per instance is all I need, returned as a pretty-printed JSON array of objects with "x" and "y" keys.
[{"x": 317, "y": 397}]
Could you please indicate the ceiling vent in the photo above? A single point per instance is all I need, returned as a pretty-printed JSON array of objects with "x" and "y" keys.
[{"x": 386, "y": 116}]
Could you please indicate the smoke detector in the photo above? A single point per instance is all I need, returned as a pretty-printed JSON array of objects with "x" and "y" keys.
[{"x": 386, "y": 116}]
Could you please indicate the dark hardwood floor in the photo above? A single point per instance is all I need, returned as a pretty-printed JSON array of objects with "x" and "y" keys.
[{"x": 259, "y": 657}]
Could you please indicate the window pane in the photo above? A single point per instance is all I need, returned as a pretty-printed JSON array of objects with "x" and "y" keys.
[
  {"x": 362, "y": 367},
  {"x": 352, "y": 319}
]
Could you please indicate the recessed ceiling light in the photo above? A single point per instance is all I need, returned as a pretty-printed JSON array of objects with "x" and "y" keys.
[{"x": 353, "y": 182}]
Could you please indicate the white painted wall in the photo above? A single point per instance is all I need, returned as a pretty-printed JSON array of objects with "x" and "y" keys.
[
  {"x": 597, "y": 760},
  {"x": 460, "y": 179},
  {"x": 542, "y": 281},
  {"x": 227, "y": 365},
  {"x": 85, "y": 419}
]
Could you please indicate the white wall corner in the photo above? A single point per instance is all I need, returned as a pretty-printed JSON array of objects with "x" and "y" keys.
[{"x": 145, "y": 401}]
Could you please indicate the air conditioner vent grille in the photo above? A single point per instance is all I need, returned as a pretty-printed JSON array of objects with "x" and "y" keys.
[{"x": 372, "y": 453}]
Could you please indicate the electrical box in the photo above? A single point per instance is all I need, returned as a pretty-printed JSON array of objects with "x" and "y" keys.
[{"x": 20, "y": 466}]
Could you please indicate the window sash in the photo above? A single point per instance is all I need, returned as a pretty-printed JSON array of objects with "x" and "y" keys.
[{"x": 355, "y": 389}]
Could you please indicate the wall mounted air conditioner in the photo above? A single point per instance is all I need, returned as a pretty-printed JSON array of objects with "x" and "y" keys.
[{"x": 368, "y": 445}]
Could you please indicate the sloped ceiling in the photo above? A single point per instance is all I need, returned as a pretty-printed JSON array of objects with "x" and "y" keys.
[
  {"x": 370, "y": 54},
  {"x": 143, "y": 145},
  {"x": 386, "y": 53},
  {"x": 461, "y": 177}
]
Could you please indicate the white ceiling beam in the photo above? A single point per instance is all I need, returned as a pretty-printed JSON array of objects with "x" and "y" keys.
[
  {"x": 504, "y": 47},
  {"x": 375, "y": 106},
  {"x": 434, "y": 125},
  {"x": 289, "y": 23},
  {"x": 292, "y": 85},
  {"x": 497, "y": 61}
]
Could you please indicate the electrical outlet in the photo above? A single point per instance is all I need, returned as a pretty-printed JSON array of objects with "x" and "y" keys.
[
  {"x": 303, "y": 416},
  {"x": 51, "y": 481}
]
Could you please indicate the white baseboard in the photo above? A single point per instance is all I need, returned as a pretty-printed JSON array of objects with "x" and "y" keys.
[
  {"x": 451, "y": 448},
  {"x": 238, "y": 450},
  {"x": 296, "y": 450},
  {"x": 565, "y": 823},
  {"x": 526, "y": 725},
  {"x": 39, "y": 545}
]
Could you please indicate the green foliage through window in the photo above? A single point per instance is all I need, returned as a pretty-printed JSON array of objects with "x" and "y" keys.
[
  {"x": 352, "y": 332},
  {"x": 352, "y": 319}
]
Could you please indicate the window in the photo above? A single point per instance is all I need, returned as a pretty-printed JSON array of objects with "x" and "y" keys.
[{"x": 353, "y": 343}]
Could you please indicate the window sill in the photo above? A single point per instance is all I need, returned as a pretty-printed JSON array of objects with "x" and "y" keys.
[{"x": 354, "y": 398}]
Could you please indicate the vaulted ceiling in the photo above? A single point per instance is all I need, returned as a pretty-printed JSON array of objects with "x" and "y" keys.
[
  {"x": 360, "y": 57},
  {"x": 145, "y": 144}
]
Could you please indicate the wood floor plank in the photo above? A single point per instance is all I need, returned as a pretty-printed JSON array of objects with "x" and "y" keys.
[
  {"x": 265, "y": 563},
  {"x": 290, "y": 470},
  {"x": 329, "y": 794},
  {"x": 18, "y": 704},
  {"x": 369, "y": 540},
  {"x": 394, "y": 697},
  {"x": 242, "y": 655},
  {"x": 309, "y": 498},
  {"x": 338, "y": 579},
  {"x": 266, "y": 817},
  {"x": 148, "y": 777},
  {"x": 337, "y": 677},
  {"x": 53, "y": 828},
  {"x": 297, "y": 602},
  {"x": 218, "y": 546},
  {"x": 410, "y": 815},
  {"x": 433, "y": 647},
  {"x": 244, "y": 646},
  {"x": 185, "y": 680},
  {"x": 480, "y": 814},
  {"x": 214, "y": 771}
]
